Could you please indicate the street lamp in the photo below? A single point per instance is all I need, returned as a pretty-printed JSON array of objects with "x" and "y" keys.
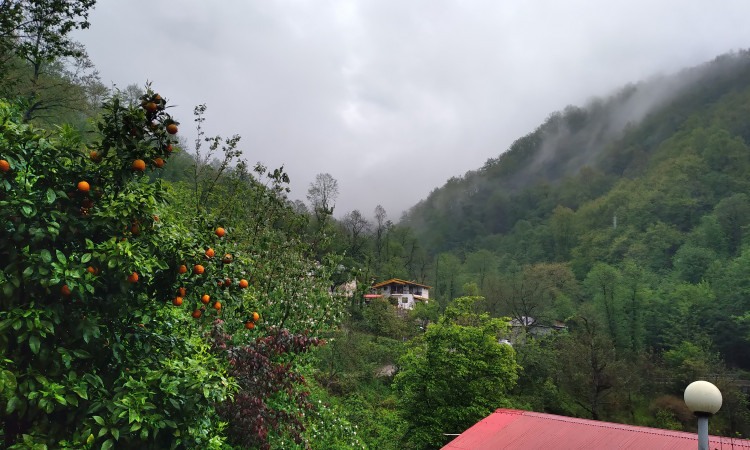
[{"x": 703, "y": 399}]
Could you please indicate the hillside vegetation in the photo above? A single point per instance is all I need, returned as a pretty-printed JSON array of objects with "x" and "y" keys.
[{"x": 157, "y": 295}]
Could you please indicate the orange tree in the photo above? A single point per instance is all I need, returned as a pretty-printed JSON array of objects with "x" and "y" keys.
[
  {"x": 130, "y": 315},
  {"x": 274, "y": 295},
  {"x": 92, "y": 351}
]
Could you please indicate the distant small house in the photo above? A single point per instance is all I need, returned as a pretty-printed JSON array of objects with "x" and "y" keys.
[
  {"x": 520, "y": 327},
  {"x": 406, "y": 293}
]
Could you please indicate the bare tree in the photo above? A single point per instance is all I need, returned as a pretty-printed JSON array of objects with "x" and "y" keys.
[
  {"x": 322, "y": 195},
  {"x": 355, "y": 225}
]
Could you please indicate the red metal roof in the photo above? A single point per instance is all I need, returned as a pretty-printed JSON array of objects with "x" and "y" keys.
[{"x": 513, "y": 429}]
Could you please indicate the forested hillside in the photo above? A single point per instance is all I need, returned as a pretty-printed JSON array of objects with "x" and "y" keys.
[
  {"x": 623, "y": 223},
  {"x": 579, "y": 154},
  {"x": 627, "y": 220}
]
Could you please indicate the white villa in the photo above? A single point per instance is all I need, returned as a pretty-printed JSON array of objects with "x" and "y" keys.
[{"x": 407, "y": 293}]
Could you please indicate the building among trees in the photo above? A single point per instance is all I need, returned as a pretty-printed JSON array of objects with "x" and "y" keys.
[{"x": 406, "y": 293}]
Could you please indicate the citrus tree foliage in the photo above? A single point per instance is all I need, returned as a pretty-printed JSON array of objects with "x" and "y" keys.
[
  {"x": 92, "y": 350},
  {"x": 454, "y": 375},
  {"x": 285, "y": 303},
  {"x": 284, "y": 278}
]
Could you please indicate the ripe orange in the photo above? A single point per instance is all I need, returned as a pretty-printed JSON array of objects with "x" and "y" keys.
[
  {"x": 133, "y": 278},
  {"x": 227, "y": 259},
  {"x": 243, "y": 284},
  {"x": 198, "y": 269},
  {"x": 94, "y": 156},
  {"x": 205, "y": 299},
  {"x": 65, "y": 290},
  {"x": 158, "y": 162},
  {"x": 196, "y": 314},
  {"x": 217, "y": 306},
  {"x": 4, "y": 165},
  {"x": 139, "y": 165},
  {"x": 83, "y": 186},
  {"x": 181, "y": 292},
  {"x": 249, "y": 325},
  {"x": 150, "y": 107},
  {"x": 210, "y": 253},
  {"x": 227, "y": 282},
  {"x": 177, "y": 301},
  {"x": 168, "y": 148},
  {"x": 256, "y": 316},
  {"x": 157, "y": 97},
  {"x": 172, "y": 128},
  {"x": 156, "y": 218},
  {"x": 92, "y": 270},
  {"x": 220, "y": 232},
  {"x": 182, "y": 269},
  {"x": 135, "y": 230}
]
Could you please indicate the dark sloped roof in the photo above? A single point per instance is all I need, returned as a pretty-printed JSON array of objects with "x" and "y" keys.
[
  {"x": 399, "y": 281},
  {"x": 513, "y": 429}
]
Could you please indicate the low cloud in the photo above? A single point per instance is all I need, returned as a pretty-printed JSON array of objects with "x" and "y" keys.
[{"x": 393, "y": 98}]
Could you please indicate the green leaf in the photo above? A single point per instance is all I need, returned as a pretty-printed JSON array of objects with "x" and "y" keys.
[
  {"x": 108, "y": 444},
  {"x": 86, "y": 258},
  {"x": 34, "y": 344},
  {"x": 27, "y": 211},
  {"x": 28, "y": 271},
  {"x": 99, "y": 420},
  {"x": 61, "y": 256},
  {"x": 51, "y": 196},
  {"x": 81, "y": 391},
  {"x": 12, "y": 405},
  {"x": 115, "y": 433}
]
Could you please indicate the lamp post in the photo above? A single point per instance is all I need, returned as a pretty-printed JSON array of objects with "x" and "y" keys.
[{"x": 703, "y": 399}]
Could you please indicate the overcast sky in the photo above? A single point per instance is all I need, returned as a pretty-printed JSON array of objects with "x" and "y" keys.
[{"x": 393, "y": 97}]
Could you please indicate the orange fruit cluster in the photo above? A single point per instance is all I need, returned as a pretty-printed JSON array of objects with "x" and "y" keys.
[{"x": 206, "y": 299}]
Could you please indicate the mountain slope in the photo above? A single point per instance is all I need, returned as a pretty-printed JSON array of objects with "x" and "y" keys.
[{"x": 582, "y": 153}]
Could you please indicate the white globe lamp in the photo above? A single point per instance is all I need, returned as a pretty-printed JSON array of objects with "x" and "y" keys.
[{"x": 703, "y": 399}]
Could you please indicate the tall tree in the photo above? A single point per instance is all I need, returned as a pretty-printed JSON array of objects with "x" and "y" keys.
[
  {"x": 589, "y": 366},
  {"x": 454, "y": 375},
  {"x": 355, "y": 225},
  {"x": 322, "y": 195},
  {"x": 381, "y": 219},
  {"x": 38, "y": 33}
]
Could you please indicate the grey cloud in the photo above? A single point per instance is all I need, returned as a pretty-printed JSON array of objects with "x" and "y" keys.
[{"x": 391, "y": 97}]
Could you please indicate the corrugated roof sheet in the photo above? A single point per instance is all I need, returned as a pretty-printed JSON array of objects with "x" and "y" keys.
[{"x": 513, "y": 429}]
